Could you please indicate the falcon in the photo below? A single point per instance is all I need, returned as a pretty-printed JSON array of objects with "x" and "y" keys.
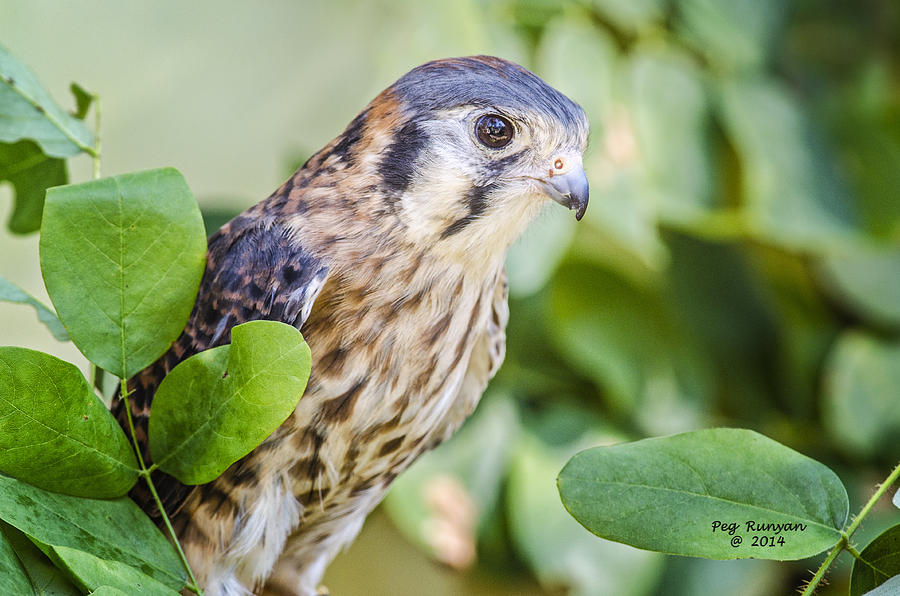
[{"x": 386, "y": 249}]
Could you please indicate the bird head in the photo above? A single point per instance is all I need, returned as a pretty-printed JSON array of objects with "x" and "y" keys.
[{"x": 465, "y": 152}]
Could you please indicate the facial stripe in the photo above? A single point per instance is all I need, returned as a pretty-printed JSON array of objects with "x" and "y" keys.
[
  {"x": 476, "y": 201},
  {"x": 498, "y": 166},
  {"x": 398, "y": 165}
]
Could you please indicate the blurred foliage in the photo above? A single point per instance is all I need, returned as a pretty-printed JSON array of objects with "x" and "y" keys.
[{"x": 738, "y": 266}]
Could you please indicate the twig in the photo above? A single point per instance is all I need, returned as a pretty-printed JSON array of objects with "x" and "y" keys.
[{"x": 145, "y": 474}]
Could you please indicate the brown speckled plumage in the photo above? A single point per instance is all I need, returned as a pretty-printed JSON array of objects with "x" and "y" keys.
[{"x": 386, "y": 249}]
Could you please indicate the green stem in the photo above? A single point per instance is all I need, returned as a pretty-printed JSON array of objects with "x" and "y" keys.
[
  {"x": 145, "y": 473},
  {"x": 96, "y": 371},
  {"x": 820, "y": 572},
  {"x": 891, "y": 479},
  {"x": 844, "y": 543},
  {"x": 96, "y": 153}
]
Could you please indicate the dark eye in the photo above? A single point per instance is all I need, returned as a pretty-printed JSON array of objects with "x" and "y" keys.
[{"x": 494, "y": 131}]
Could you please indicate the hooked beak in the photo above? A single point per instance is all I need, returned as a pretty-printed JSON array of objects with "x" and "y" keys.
[{"x": 569, "y": 190}]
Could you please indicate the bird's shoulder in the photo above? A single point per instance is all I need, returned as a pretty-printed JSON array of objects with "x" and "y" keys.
[{"x": 257, "y": 268}]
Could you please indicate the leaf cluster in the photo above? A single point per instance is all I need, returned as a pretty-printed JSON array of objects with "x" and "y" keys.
[{"x": 121, "y": 258}]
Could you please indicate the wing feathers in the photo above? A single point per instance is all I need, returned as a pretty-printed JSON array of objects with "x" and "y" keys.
[{"x": 254, "y": 270}]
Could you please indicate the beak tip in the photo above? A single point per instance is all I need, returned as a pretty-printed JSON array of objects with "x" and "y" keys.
[{"x": 570, "y": 190}]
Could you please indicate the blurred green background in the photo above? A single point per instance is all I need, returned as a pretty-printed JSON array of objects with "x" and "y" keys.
[{"x": 739, "y": 264}]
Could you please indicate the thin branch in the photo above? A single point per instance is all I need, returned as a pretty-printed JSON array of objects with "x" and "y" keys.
[
  {"x": 891, "y": 479},
  {"x": 96, "y": 371},
  {"x": 97, "y": 144},
  {"x": 820, "y": 572},
  {"x": 145, "y": 473}
]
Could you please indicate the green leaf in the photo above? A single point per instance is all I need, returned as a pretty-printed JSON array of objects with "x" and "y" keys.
[
  {"x": 868, "y": 281},
  {"x": 860, "y": 394},
  {"x": 663, "y": 81},
  {"x": 562, "y": 553},
  {"x": 12, "y": 575},
  {"x": 627, "y": 340},
  {"x": 46, "y": 580},
  {"x": 10, "y": 292},
  {"x": 122, "y": 259},
  {"x": 259, "y": 377},
  {"x": 91, "y": 572},
  {"x": 571, "y": 47},
  {"x": 634, "y": 15},
  {"x": 55, "y": 433},
  {"x": 729, "y": 312},
  {"x": 28, "y": 112},
  {"x": 31, "y": 173},
  {"x": 681, "y": 494},
  {"x": 889, "y": 588},
  {"x": 737, "y": 34},
  {"x": 83, "y": 100},
  {"x": 113, "y": 530},
  {"x": 793, "y": 197},
  {"x": 877, "y": 563},
  {"x": 108, "y": 591}
]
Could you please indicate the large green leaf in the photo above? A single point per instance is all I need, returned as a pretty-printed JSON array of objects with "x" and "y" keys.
[
  {"x": 877, "y": 563},
  {"x": 45, "y": 578},
  {"x": 793, "y": 197},
  {"x": 238, "y": 395},
  {"x": 12, "y": 575},
  {"x": 570, "y": 48},
  {"x": 113, "y": 530},
  {"x": 727, "y": 309},
  {"x": 868, "y": 281},
  {"x": 634, "y": 15},
  {"x": 713, "y": 493},
  {"x": 10, "y": 292},
  {"x": 663, "y": 81},
  {"x": 31, "y": 173},
  {"x": 122, "y": 259},
  {"x": 628, "y": 341},
  {"x": 91, "y": 572},
  {"x": 108, "y": 591},
  {"x": 732, "y": 35},
  {"x": 28, "y": 112},
  {"x": 860, "y": 394},
  {"x": 55, "y": 433}
]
